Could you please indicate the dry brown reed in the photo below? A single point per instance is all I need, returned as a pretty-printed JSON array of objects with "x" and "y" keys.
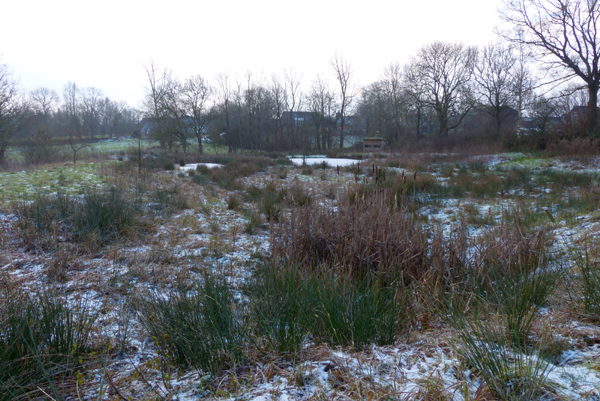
[
  {"x": 365, "y": 236},
  {"x": 511, "y": 249}
]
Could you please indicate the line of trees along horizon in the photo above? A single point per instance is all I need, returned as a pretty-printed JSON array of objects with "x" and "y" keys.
[{"x": 547, "y": 63}]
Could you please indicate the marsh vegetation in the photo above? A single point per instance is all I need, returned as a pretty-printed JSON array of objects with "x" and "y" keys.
[{"x": 432, "y": 276}]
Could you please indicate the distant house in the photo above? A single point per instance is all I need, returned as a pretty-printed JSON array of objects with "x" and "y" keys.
[
  {"x": 297, "y": 119},
  {"x": 147, "y": 125},
  {"x": 577, "y": 116},
  {"x": 305, "y": 119},
  {"x": 348, "y": 124},
  {"x": 373, "y": 144}
]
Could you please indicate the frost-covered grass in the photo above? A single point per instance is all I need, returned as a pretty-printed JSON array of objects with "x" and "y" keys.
[
  {"x": 65, "y": 179},
  {"x": 458, "y": 231}
]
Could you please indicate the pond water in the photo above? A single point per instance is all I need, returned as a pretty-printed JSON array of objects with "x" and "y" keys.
[
  {"x": 318, "y": 160},
  {"x": 192, "y": 166}
]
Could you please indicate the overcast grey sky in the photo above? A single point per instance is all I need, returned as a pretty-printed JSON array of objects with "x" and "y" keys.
[{"x": 104, "y": 43}]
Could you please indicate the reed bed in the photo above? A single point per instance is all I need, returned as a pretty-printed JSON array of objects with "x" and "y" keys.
[{"x": 354, "y": 238}]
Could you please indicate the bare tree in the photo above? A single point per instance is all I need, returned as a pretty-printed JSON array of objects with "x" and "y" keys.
[
  {"x": 571, "y": 96},
  {"x": 441, "y": 73},
  {"x": 44, "y": 103},
  {"x": 43, "y": 100},
  {"x": 177, "y": 124},
  {"x": 392, "y": 85},
  {"x": 225, "y": 94},
  {"x": 278, "y": 96},
  {"x": 321, "y": 103},
  {"x": 343, "y": 74},
  {"x": 12, "y": 110},
  {"x": 565, "y": 33},
  {"x": 92, "y": 102},
  {"x": 76, "y": 144},
  {"x": 196, "y": 94},
  {"x": 114, "y": 114},
  {"x": 293, "y": 80},
  {"x": 524, "y": 83},
  {"x": 72, "y": 110},
  {"x": 373, "y": 111},
  {"x": 416, "y": 105},
  {"x": 154, "y": 101},
  {"x": 494, "y": 75}
]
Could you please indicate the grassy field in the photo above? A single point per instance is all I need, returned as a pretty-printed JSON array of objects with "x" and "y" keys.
[
  {"x": 99, "y": 149},
  {"x": 412, "y": 277}
]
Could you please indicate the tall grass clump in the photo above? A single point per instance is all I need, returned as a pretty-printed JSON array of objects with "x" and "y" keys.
[
  {"x": 517, "y": 297},
  {"x": 509, "y": 374},
  {"x": 234, "y": 167},
  {"x": 280, "y": 307},
  {"x": 590, "y": 284},
  {"x": 289, "y": 306},
  {"x": 197, "y": 327},
  {"x": 42, "y": 340},
  {"x": 361, "y": 312},
  {"x": 494, "y": 310},
  {"x": 169, "y": 199},
  {"x": 269, "y": 197},
  {"x": 96, "y": 219}
]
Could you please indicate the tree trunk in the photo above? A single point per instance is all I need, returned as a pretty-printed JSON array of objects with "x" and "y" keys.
[
  {"x": 342, "y": 131},
  {"x": 2, "y": 155},
  {"x": 443, "y": 132},
  {"x": 592, "y": 117}
]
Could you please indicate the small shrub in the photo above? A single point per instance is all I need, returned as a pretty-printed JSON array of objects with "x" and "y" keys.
[
  {"x": 202, "y": 169},
  {"x": 306, "y": 170},
  {"x": 300, "y": 196},
  {"x": 199, "y": 179},
  {"x": 282, "y": 173},
  {"x": 166, "y": 163}
]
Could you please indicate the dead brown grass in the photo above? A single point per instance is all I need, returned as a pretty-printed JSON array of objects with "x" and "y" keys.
[{"x": 357, "y": 238}]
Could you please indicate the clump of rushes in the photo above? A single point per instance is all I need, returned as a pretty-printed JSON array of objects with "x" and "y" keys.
[
  {"x": 196, "y": 327},
  {"x": 233, "y": 168},
  {"x": 494, "y": 309},
  {"x": 360, "y": 312},
  {"x": 269, "y": 197},
  {"x": 97, "y": 219},
  {"x": 233, "y": 202},
  {"x": 289, "y": 306},
  {"x": 279, "y": 307},
  {"x": 590, "y": 285},
  {"x": 42, "y": 343}
]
